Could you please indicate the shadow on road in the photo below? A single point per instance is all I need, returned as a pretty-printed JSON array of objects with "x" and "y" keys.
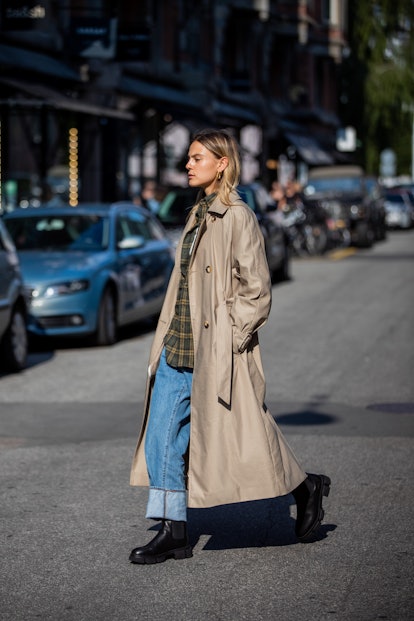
[
  {"x": 306, "y": 417},
  {"x": 256, "y": 524},
  {"x": 43, "y": 349},
  {"x": 50, "y": 343},
  {"x": 34, "y": 359}
]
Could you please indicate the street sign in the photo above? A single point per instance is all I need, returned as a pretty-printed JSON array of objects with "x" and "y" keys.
[{"x": 388, "y": 163}]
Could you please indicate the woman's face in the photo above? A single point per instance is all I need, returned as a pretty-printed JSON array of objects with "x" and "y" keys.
[{"x": 202, "y": 168}]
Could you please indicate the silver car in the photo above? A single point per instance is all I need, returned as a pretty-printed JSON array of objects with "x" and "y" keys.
[
  {"x": 398, "y": 210},
  {"x": 13, "y": 334}
]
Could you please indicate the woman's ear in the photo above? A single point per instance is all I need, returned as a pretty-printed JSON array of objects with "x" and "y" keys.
[{"x": 224, "y": 162}]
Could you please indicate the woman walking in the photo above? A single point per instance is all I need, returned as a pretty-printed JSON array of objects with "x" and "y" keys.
[{"x": 207, "y": 437}]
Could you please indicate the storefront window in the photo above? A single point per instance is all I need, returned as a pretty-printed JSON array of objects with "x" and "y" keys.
[{"x": 35, "y": 158}]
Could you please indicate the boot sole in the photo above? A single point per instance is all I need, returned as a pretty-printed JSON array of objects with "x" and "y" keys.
[
  {"x": 324, "y": 491},
  {"x": 178, "y": 554}
]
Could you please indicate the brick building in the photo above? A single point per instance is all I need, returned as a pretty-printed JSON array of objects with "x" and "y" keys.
[{"x": 98, "y": 95}]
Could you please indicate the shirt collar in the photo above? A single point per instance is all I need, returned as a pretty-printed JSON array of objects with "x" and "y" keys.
[
  {"x": 203, "y": 206},
  {"x": 208, "y": 200}
]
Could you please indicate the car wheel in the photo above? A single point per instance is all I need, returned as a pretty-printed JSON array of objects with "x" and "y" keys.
[
  {"x": 107, "y": 328},
  {"x": 15, "y": 342},
  {"x": 382, "y": 232},
  {"x": 281, "y": 273},
  {"x": 364, "y": 235},
  {"x": 379, "y": 231}
]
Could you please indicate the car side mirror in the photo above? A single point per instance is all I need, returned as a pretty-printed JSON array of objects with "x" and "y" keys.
[{"x": 131, "y": 242}]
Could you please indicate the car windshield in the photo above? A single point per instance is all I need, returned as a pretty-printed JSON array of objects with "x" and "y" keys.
[
  {"x": 175, "y": 207},
  {"x": 333, "y": 184},
  {"x": 394, "y": 198},
  {"x": 59, "y": 232}
]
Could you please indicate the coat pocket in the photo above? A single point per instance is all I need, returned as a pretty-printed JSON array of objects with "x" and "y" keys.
[{"x": 224, "y": 353}]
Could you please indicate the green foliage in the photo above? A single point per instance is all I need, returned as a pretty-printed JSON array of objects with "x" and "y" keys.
[{"x": 378, "y": 79}]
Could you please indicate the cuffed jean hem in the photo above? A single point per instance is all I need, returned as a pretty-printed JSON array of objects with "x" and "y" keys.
[{"x": 167, "y": 505}]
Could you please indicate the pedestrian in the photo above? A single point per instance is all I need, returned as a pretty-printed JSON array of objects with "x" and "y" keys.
[
  {"x": 279, "y": 203},
  {"x": 148, "y": 197},
  {"x": 207, "y": 437}
]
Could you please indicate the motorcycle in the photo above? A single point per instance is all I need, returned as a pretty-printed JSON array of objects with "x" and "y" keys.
[{"x": 306, "y": 228}]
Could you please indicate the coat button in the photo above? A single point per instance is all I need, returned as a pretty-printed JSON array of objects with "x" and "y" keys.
[
  {"x": 213, "y": 218},
  {"x": 208, "y": 269},
  {"x": 206, "y": 324}
]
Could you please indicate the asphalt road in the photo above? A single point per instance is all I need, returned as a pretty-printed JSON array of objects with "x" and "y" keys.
[{"x": 339, "y": 358}]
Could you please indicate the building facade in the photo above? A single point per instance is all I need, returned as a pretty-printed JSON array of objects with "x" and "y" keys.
[{"x": 98, "y": 95}]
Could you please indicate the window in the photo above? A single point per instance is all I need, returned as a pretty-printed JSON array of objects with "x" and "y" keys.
[
  {"x": 326, "y": 10},
  {"x": 238, "y": 50},
  {"x": 59, "y": 232},
  {"x": 132, "y": 225}
]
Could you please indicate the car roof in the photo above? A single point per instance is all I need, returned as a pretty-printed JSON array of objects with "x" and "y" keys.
[
  {"x": 81, "y": 209},
  {"x": 326, "y": 172}
]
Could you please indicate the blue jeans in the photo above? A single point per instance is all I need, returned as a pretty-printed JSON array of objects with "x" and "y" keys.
[{"x": 166, "y": 442}]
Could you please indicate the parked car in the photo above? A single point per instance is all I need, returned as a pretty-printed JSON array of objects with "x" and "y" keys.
[
  {"x": 343, "y": 192},
  {"x": 13, "y": 310},
  {"x": 91, "y": 268},
  {"x": 275, "y": 239},
  {"x": 174, "y": 209},
  {"x": 408, "y": 189},
  {"x": 177, "y": 203},
  {"x": 399, "y": 209},
  {"x": 376, "y": 193}
]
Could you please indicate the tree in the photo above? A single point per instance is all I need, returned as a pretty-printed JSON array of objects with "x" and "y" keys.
[{"x": 378, "y": 80}]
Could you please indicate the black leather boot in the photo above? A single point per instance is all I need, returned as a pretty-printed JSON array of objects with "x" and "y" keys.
[
  {"x": 170, "y": 542},
  {"x": 308, "y": 496}
]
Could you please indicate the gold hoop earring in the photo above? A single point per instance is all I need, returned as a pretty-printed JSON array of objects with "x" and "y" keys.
[{"x": 219, "y": 175}]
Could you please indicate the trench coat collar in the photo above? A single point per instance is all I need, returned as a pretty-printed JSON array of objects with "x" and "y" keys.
[{"x": 218, "y": 208}]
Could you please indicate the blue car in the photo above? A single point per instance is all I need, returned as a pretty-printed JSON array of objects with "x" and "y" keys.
[{"x": 91, "y": 268}]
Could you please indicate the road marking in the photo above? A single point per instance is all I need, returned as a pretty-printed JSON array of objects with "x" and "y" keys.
[
  {"x": 341, "y": 253},
  {"x": 12, "y": 442}
]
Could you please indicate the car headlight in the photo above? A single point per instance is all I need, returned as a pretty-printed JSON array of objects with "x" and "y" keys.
[
  {"x": 358, "y": 210},
  {"x": 61, "y": 288}
]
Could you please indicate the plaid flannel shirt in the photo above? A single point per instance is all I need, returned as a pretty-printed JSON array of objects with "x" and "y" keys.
[{"x": 178, "y": 342}]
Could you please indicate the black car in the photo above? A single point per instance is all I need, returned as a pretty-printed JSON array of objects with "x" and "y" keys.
[
  {"x": 276, "y": 242},
  {"x": 13, "y": 311},
  {"x": 177, "y": 203},
  {"x": 343, "y": 192},
  {"x": 174, "y": 209},
  {"x": 377, "y": 194}
]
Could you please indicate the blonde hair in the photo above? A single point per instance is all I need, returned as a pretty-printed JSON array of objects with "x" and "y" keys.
[{"x": 222, "y": 144}]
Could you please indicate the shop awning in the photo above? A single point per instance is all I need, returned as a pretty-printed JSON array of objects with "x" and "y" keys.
[
  {"x": 43, "y": 95},
  {"x": 157, "y": 92},
  {"x": 167, "y": 95},
  {"x": 233, "y": 112},
  {"x": 309, "y": 149},
  {"x": 35, "y": 62}
]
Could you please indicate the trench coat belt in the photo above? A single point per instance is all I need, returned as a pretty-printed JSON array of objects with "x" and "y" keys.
[{"x": 224, "y": 353}]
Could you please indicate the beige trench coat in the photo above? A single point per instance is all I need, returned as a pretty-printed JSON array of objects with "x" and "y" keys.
[{"x": 237, "y": 452}]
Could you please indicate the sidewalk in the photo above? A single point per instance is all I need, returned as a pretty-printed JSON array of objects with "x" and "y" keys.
[{"x": 70, "y": 519}]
